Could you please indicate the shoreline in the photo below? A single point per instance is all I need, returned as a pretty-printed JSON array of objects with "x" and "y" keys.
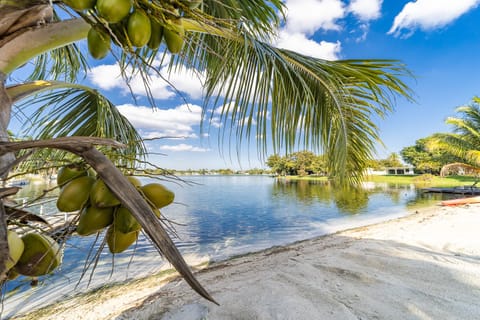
[{"x": 336, "y": 276}]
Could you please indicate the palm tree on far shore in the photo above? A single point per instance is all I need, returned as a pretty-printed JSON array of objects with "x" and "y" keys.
[{"x": 464, "y": 141}]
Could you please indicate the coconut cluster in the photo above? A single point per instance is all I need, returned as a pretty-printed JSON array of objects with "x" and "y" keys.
[
  {"x": 133, "y": 26},
  {"x": 100, "y": 209}
]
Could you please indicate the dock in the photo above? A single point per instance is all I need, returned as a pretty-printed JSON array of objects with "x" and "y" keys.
[{"x": 466, "y": 190}]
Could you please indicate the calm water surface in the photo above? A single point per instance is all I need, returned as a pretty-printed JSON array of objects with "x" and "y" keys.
[{"x": 217, "y": 217}]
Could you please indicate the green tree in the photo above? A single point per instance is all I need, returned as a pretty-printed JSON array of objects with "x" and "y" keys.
[
  {"x": 331, "y": 102},
  {"x": 393, "y": 160},
  {"x": 424, "y": 159},
  {"x": 304, "y": 162},
  {"x": 277, "y": 164}
]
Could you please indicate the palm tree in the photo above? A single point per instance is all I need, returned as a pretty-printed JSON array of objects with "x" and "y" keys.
[
  {"x": 464, "y": 142},
  {"x": 293, "y": 99}
]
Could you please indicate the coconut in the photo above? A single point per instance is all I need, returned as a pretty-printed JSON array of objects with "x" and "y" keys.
[
  {"x": 40, "y": 256},
  {"x": 192, "y": 4},
  {"x": 118, "y": 241},
  {"x": 93, "y": 219},
  {"x": 80, "y": 5},
  {"x": 98, "y": 43},
  {"x": 139, "y": 28},
  {"x": 101, "y": 196},
  {"x": 75, "y": 194},
  {"x": 136, "y": 182},
  {"x": 113, "y": 10},
  {"x": 157, "y": 194},
  {"x": 156, "y": 34},
  {"x": 15, "y": 249},
  {"x": 124, "y": 221},
  {"x": 68, "y": 173},
  {"x": 173, "y": 35}
]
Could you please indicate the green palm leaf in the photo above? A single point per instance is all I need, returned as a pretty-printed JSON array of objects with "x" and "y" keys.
[
  {"x": 75, "y": 110},
  {"x": 297, "y": 100},
  {"x": 64, "y": 63}
]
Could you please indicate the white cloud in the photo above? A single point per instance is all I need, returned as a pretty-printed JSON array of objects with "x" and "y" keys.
[
  {"x": 184, "y": 147},
  {"x": 185, "y": 80},
  {"x": 429, "y": 14},
  {"x": 308, "y": 16},
  {"x": 106, "y": 77},
  {"x": 176, "y": 122},
  {"x": 300, "y": 43},
  {"x": 366, "y": 10}
]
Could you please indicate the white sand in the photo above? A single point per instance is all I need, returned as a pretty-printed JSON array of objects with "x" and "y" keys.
[{"x": 424, "y": 266}]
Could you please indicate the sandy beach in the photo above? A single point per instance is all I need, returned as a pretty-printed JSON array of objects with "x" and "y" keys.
[{"x": 423, "y": 266}]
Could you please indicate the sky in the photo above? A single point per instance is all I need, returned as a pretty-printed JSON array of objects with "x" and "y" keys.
[{"x": 437, "y": 40}]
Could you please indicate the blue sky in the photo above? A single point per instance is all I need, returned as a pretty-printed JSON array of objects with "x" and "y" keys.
[{"x": 438, "y": 40}]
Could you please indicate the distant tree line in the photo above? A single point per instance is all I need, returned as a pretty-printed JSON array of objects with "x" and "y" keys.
[{"x": 300, "y": 163}]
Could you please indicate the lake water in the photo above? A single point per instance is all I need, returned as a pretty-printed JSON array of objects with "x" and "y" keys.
[{"x": 217, "y": 217}]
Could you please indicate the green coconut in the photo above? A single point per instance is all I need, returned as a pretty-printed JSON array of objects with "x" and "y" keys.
[
  {"x": 124, "y": 221},
  {"x": 156, "y": 34},
  {"x": 67, "y": 173},
  {"x": 80, "y": 5},
  {"x": 136, "y": 182},
  {"x": 74, "y": 195},
  {"x": 157, "y": 194},
  {"x": 93, "y": 219},
  {"x": 101, "y": 196},
  {"x": 15, "y": 249},
  {"x": 98, "y": 43},
  {"x": 192, "y": 4},
  {"x": 118, "y": 241},
  {"x": 174, "y": 35},
  {"x": 40, "y": 256},
  {"x": 114, "y": 10},
  {"x": 139, "y": 28}
]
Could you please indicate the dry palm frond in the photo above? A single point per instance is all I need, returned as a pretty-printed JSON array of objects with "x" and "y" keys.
[{"x": 459, "y": 168}]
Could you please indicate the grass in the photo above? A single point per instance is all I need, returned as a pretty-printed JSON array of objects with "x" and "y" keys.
[{"x": 425, "y": 180}]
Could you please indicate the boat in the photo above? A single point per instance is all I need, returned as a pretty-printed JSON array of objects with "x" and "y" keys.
[{"x": 460, "y": 201}]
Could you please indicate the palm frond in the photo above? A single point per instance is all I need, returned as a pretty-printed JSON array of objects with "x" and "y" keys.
[
  {"x": 458, "y": 167},
  {"x": 64, "y": 63},
  {"x": 295, "y": 99},
  {"x": 261, "y": 16},
  {"x": 76, "y": 110}
]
